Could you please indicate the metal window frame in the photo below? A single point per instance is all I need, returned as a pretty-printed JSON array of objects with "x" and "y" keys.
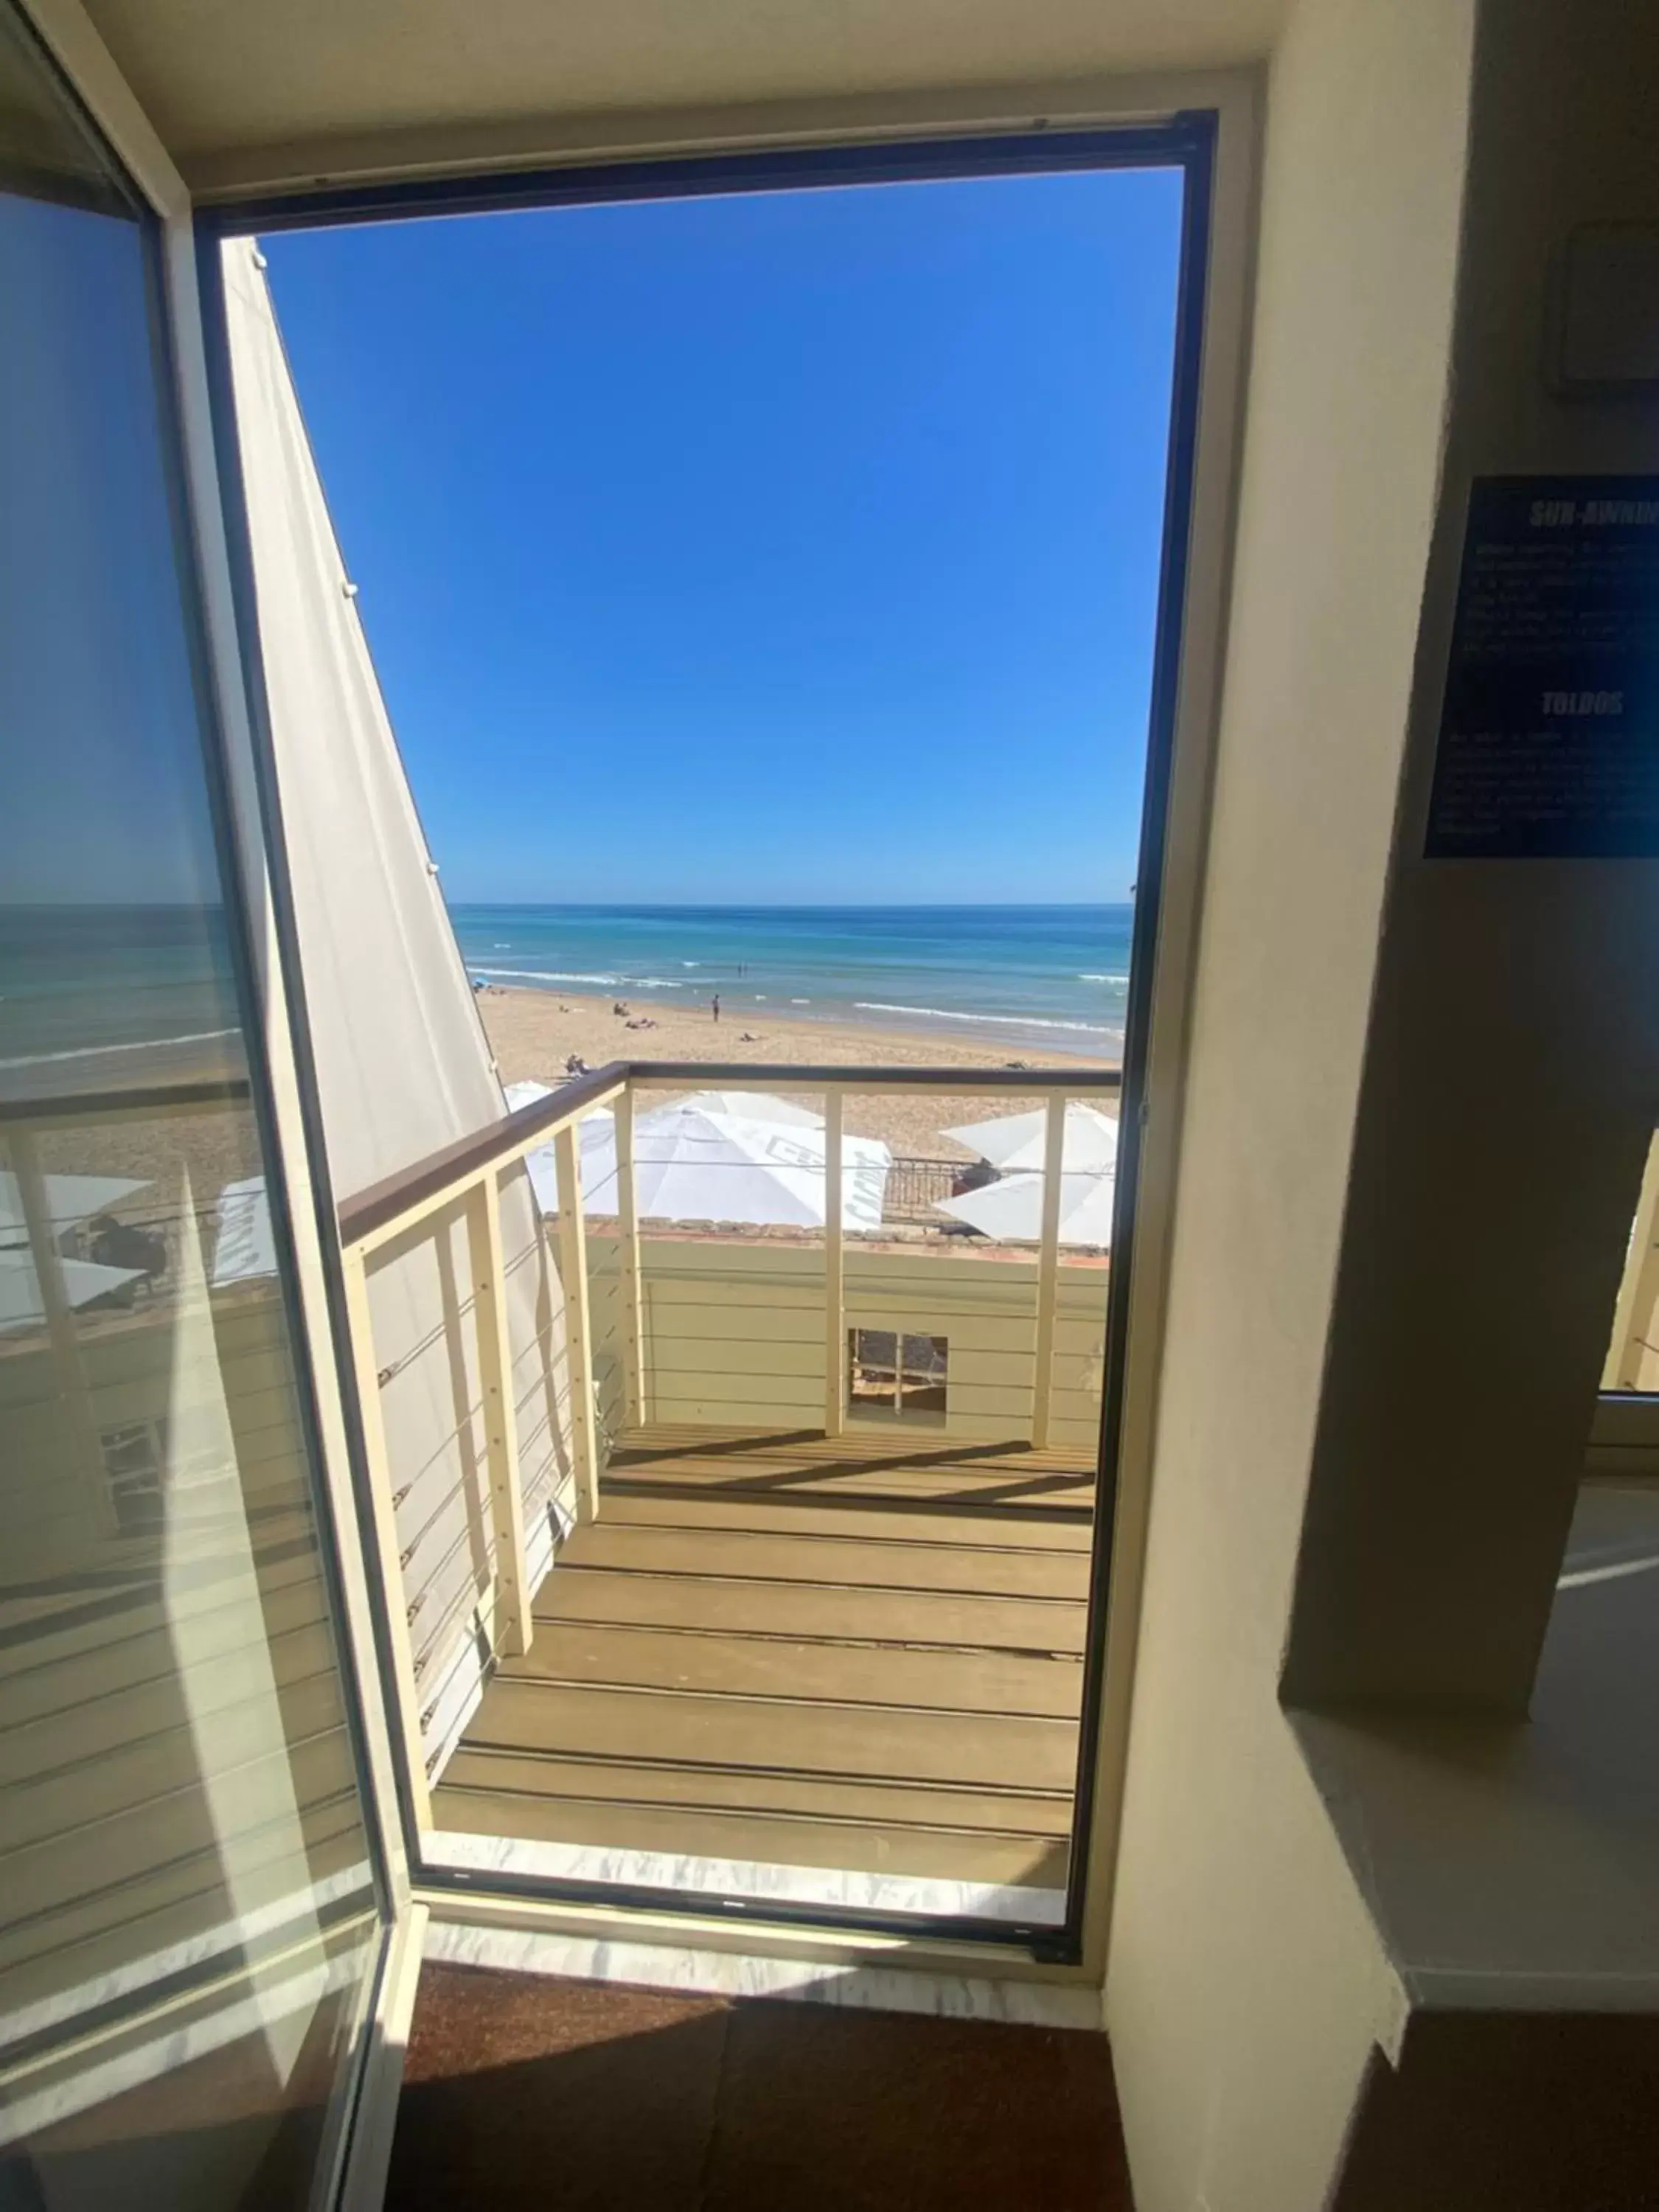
[
  {"x": 294, "y": 1164},
  {"x": 1185, "y": 139},
  {"x": 1624, "y": 1438},
  {"x": 1624, "y": 1435}
]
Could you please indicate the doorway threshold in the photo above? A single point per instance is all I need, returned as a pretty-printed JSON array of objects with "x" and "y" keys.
[{"x": 839, "y": 1889}]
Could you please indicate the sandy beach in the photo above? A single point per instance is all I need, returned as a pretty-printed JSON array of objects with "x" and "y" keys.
[{"x": 533, "y": 1032}]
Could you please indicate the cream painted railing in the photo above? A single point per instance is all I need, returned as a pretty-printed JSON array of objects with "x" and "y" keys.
[{"x": 462, "y": 1184}]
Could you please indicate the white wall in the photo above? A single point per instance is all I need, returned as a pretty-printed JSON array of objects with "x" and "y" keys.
[
  {"x": 1511, "y": 1084},
  {"x": 1246, "y": 1984}
]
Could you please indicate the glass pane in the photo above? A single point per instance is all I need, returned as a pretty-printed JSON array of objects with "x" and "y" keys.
[
  {"x": 189, "y": 1923},
  {"x": 869, "y": 477},
  {"x": 1633, "y": 1364}
]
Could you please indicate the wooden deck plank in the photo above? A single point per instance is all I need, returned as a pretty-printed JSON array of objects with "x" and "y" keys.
[
  {"x": 1044, "y": 1814},
  {"x": 769, "y": 1837},
  {"x": 916, "y": 1486},
  {"x": 754, "y": 1666},
  {"x": 654, "y": 1439},
  {"x": 572, "y": 1592},
  {"x": 963, "y": 1463},
  {"x": 848, "y": 1562},
  {"x": 661, "y": 1507},
  {"x": 1015, "y": 1501},
  {"x": 860, "y": 1651},
  {"x": 766, "y": 1737},
  {"x": 873, "y": 1447}
]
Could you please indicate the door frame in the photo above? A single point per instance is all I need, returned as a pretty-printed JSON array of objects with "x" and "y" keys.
[
  {"x": 1212, "y": 123},
  {"x": 1165, "y": 907}
]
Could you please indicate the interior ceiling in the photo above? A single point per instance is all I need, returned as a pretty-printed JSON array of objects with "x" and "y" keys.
[{"x": 221, "y": 82}]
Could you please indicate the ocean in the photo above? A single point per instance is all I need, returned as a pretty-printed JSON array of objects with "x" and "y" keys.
[
  {"x": 1049, "y": 978},
  {"x": 1043, "y": 979},
  {"x": 76, "y": 980}
]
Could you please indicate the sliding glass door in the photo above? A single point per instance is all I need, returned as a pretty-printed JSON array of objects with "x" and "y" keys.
[{"x": 191, "y": 1923}]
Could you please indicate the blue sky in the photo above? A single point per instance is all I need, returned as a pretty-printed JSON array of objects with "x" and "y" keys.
[
  {"x": 784, "y": 547},
  {"x": 103, "y": 796}
]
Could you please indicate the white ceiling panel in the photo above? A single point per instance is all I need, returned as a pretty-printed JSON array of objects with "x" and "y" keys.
[{"x": 250, "y": 91}]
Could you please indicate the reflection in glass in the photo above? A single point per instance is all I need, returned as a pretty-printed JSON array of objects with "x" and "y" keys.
[
  {"x": 188, "y": 1921},
  {"x": 1632, "y": 1363}
]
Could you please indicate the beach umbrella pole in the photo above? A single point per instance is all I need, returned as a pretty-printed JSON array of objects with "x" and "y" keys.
[
  {"x": 627, "y": 1230},
  {"x": 1053, "y": 1156},
  {"x": 835, "y": 1287},
  {"x": 487, "y": 1260},
  {"x": 578, "y": 1338}
]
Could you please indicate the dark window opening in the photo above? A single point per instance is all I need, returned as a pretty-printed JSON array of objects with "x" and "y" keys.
[{"x": 893, "y": 1376}]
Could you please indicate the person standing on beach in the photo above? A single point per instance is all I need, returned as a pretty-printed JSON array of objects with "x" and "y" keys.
[{"x": 717, "y": 1005}]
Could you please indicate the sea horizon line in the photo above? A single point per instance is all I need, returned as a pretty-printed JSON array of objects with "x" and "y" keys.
[{"x": 800, "y": 906}]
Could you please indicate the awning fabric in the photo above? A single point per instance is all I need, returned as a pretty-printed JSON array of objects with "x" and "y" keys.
[
  {"x": 1014, "y": 1142},
  {"x": 403, "y": 1063},
  {"x": 692, "y": 1163},
  {"x": 1011, "y": 1211}
]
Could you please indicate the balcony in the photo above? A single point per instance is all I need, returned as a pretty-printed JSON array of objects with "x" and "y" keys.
[{"x": 758, "y": 1551}]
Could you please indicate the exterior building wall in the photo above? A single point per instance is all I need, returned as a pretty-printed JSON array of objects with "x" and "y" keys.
[{"x": 734, "y": 1333}]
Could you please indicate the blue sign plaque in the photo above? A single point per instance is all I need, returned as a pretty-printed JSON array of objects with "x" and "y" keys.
[{"x": 1549, "y": 733}]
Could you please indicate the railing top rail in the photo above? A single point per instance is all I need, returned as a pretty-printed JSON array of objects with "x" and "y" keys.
[
  {"x": 401, "y": 1200},
  {"x": 412, "y": 1191},
  {"x": 750, "y": 1075}
]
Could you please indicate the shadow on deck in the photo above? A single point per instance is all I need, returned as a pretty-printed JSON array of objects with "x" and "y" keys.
[{"x": 862, "y": 1652}]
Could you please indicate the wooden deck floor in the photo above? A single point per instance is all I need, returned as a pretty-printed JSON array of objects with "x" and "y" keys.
[{"x": 864, "y": 1653}]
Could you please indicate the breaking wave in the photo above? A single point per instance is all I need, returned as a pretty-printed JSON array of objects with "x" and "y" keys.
[
  {"x": 545, "y": 975},
  {"x": 1002, "y": 1021}
]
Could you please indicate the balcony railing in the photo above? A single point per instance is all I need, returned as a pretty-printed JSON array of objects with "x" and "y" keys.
[{"x": 738, "y": 1300}]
